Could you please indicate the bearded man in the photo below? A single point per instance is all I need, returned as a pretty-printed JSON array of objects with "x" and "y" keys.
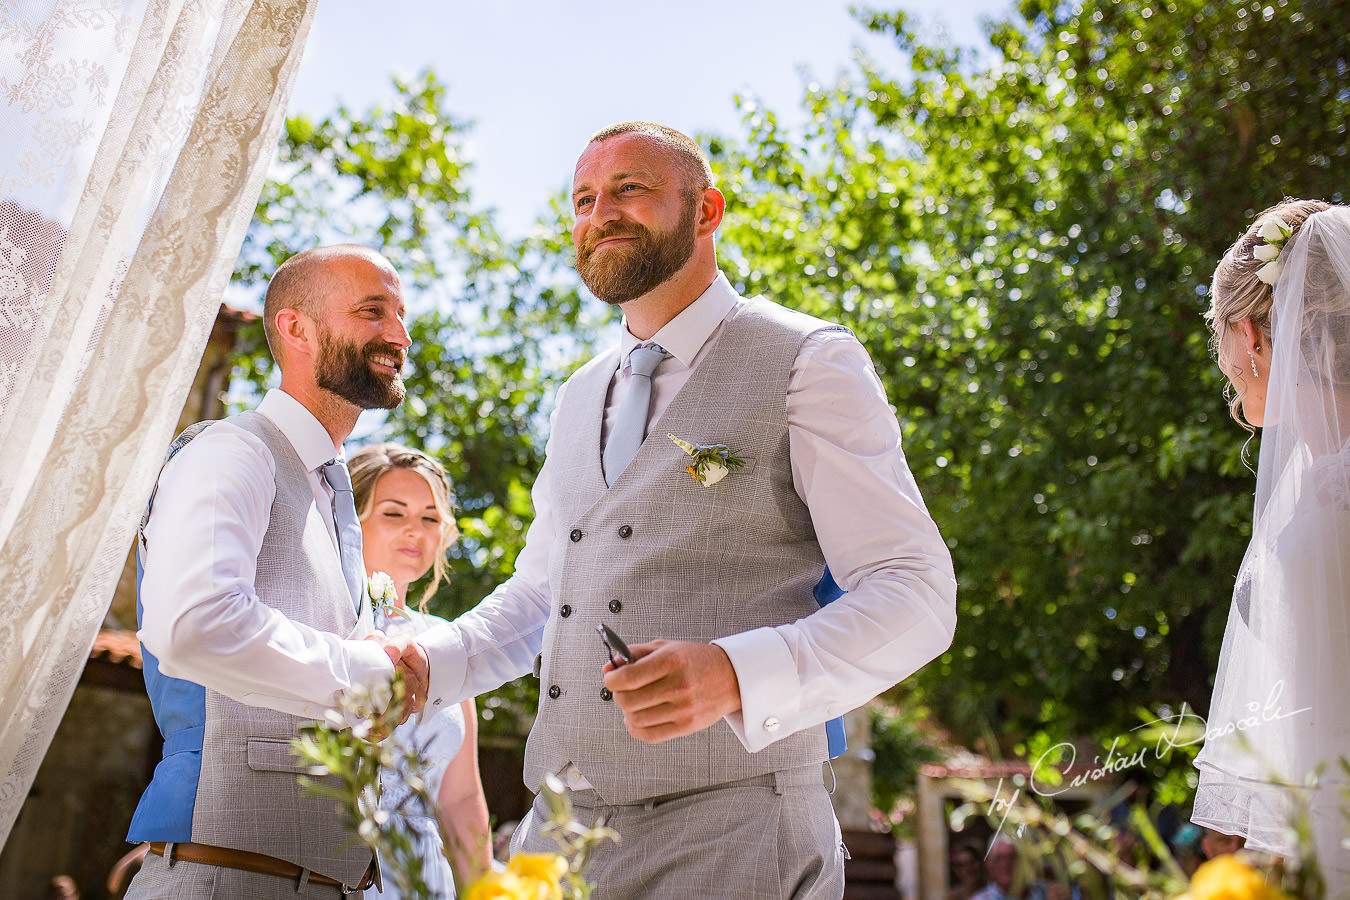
[
  {"x": 252, "y": 595},
  {"x": 705, "y": 751}
]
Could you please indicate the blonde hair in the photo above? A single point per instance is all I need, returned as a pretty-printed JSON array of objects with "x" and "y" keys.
[
  {"x": 1236, "y": 294},
  {"x": 369, "y": 464}
]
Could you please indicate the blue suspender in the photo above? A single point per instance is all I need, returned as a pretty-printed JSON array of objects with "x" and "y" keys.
[{"x": 827, "y": 591}]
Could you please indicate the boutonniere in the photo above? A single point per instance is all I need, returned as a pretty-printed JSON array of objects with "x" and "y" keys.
[
  {"x": 383, "y": 595},
  {"x": 709, "y": 463}
]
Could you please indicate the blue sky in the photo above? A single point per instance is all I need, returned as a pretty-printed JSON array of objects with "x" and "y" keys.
[{"x": 537, "y": 77}]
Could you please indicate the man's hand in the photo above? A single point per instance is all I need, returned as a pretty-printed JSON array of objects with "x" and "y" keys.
[
  {"x": 409, "y": 660},
  {"x": 673, "y": 688}
]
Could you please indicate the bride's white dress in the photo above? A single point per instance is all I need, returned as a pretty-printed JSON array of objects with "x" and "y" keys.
[
  {"x": 442, "y": 734},
  {"x": 1279, "y": 723}
]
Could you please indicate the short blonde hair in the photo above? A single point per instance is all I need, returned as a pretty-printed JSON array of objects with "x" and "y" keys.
[
  {"x": 369, "y": 464},
  {"x": 1236, "y": 294}
]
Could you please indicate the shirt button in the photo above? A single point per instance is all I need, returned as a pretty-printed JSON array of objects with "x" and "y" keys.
[
  {"x": 554, "y": 691},
  {"x": 615, "y": 606},
  {"x": 606, "y": 694},
  {"x": 770, "y": 724},
  {"x": 625, "y": 531},
  {"x": 566, "y": 610},
  {"x": 575, "y": 535}
]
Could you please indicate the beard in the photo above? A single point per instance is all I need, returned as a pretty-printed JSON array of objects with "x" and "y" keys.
[
  {"x": 345, "y": 369},
  {"x": 627, "y": 272}
]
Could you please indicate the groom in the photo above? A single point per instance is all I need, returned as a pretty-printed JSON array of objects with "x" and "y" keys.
[
  {"x": 252, "y": 584},
  {"x": 705, "y": 753}
]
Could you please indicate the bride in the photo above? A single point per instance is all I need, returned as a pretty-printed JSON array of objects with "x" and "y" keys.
[{"x": 1279, "y": 722}]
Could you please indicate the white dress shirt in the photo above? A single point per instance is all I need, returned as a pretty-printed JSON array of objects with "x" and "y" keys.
[
  {"x": 874, "y": 531},
  {"x": 201, "y": 616}
]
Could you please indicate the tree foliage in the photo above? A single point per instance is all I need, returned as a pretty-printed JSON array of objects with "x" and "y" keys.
[{"x": 1022, "y": 238}]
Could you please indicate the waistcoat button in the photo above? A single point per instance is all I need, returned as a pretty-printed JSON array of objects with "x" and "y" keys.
[
  {"x": 566, "y": 610},
  {"x": 575, "y": 535},
  {"x": 625, "y": 531},
  {"x": 606, "y": 694},
  {"x": 615, "y": 606},
  {"x": 554, "y": 691}
]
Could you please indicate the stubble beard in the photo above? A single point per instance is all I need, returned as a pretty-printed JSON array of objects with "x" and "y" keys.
[
  {"x": 345, "y": 369},
  {"x": 627, "y": 272}
]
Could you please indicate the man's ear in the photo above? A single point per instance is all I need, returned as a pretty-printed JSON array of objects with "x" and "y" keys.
[
  {"x": 296, "y": 331},
  {"x": 711, "y": 207}
]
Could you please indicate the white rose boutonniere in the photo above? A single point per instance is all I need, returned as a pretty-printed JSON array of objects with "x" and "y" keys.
[
  {"x": 1274, "y": 231},
  {"x": 709, "y": 463},
  {"x": 383, "y": 595}
]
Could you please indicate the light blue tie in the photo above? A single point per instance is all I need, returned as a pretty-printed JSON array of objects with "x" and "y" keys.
[
  {"x": 630, "y": 422},
  {"x": 348, "y": 528}
]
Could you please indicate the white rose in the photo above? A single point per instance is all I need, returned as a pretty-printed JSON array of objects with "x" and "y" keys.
[
  {"x": 1269, "y": 273},
  {"x": 1274, "y": 229},
  {"x": 1266, "y": 252},
  {"x": 714, "y": 472},
  {"x": 381, "y": 588}
]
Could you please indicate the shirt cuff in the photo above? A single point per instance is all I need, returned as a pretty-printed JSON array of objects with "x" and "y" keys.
[
  {"x": 768, "y": 680},
  {"x": 367, "y": 665},
  {"x": 448, "y": 662}
]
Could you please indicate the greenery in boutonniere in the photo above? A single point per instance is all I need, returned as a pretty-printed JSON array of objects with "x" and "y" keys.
[{"x": 709, "y": 463}]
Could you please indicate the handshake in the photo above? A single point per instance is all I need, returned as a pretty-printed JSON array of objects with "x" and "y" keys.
[{"x": 410, "y": 661}]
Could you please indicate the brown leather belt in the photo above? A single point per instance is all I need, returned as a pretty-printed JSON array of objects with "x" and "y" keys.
[{"x": 252, "y": 862}]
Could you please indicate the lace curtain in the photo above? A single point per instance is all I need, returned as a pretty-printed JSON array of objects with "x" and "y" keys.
[{"x": 136, "y": 136}]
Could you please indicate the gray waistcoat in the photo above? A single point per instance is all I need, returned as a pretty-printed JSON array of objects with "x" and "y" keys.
[
  {"x": 658, "y": 555},
  {"x": 248, "y": 797}
]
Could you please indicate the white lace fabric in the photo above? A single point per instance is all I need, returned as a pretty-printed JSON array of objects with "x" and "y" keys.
[
  {"x": 1280, "y": 720},
  {"x": 137, "y": 136}
]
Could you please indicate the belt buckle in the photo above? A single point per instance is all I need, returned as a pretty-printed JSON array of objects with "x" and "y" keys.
[{"x": 370, "y": 879}]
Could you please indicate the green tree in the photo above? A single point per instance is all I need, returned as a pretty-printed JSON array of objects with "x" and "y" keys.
[{"x": 1022, "y": 238}]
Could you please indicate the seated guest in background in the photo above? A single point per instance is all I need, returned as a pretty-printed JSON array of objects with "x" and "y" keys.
[
  {"x": 404, "y": 501},
  {"x": 967, "y": 872}
]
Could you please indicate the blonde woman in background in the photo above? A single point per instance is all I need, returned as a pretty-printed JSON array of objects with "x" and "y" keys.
[
  {"x": 403, "y": 499},
  {"x": 1279, "y": 723}
]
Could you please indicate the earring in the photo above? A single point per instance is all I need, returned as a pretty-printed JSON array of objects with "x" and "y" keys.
[{"x": 1255, "y": 373}]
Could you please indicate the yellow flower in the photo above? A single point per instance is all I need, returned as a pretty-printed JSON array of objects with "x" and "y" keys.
[
  {"x": 529, "y": 876},
  {"x": 549, "y": 867},
  {"x": 1229, "y": 878}
]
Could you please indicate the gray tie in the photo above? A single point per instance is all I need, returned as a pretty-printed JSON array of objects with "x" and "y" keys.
[
  {"x": 630, "y": 422},
  {"x": 348, "y": 528}
]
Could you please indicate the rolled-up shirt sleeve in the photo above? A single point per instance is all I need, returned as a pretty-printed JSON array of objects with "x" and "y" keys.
[
  {"x": 879, "y": 542},
  {"x": 201, "y": 616}
]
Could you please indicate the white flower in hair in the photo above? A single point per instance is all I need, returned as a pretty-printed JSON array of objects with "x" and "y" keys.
[
  {"x": 1266, "y": 252},
  {"x": 1274, "y": 231}
]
